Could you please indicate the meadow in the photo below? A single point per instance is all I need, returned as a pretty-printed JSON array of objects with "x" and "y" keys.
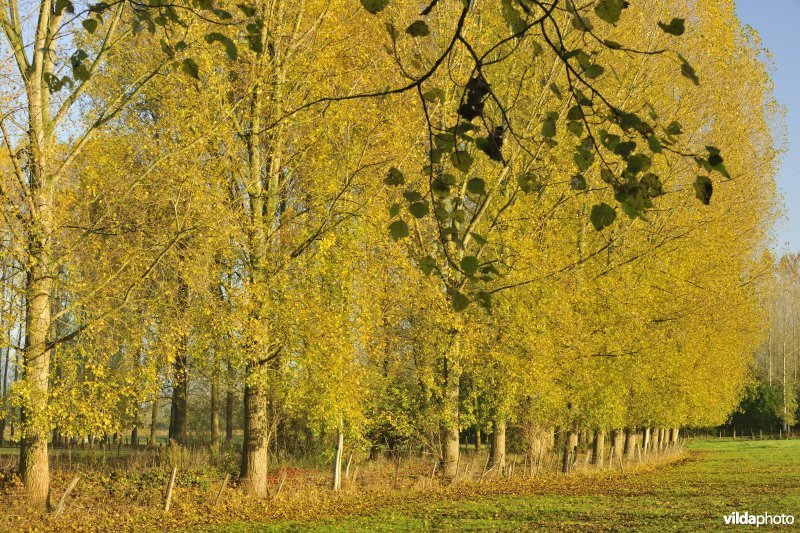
[{"x": 690, "y": 489}]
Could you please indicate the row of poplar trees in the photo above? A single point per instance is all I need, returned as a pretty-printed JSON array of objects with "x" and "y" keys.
[{"x": 370, "y": 221}]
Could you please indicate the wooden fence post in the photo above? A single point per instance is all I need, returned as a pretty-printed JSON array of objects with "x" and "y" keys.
[
  {"x": 221, "y": 488},
  {"x": 170, "y": 486},
  {"x": 64, "y": 496}
]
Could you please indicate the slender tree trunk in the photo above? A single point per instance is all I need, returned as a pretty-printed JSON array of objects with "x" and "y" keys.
[
  {"x": 646, "y": 439},
  {"x": 33, "y": 460},
  {"x": 630, "y": 443},
  {"x": 450, "y": 411},
  {"x": 597, "y": 447},
  {"x": 499, "y": 444},
  {"x": 151, "y": 441},
  {"x": 570, "y": 449},
  {"x": 214, "y": 413},
  {"x": 477, "y": 439},
  {"x": 617, "y": 439},
  {"x": 337, "y": 459},
  {"x": 255, "y": 449},
  {"x": 178, "y": 430}
]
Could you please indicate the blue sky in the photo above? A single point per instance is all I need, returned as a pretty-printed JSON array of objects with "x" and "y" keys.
[{"x": 777, "y": 23}]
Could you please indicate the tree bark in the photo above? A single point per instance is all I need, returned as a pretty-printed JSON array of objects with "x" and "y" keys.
[
  {"x": 337, "y": 459},
  {"x": 33, "y": 459},
  {"x": 597, "y": 447},
  {"x": 214, "y": 413},
  {"x": 151, "y": 441},
  {"x": 570, "y": 450},
  {"x": 617, "y": 443},
  {"x": 229, "y": 406},
  {"x": 646, "y": 439},
  {"x": 255, "y": 449},
  {"x": 630, "y": 443},
  {"x": 499, "y": 444},
  {"x": 177, "y": 413},
  {"x": 450, "y": 411}
]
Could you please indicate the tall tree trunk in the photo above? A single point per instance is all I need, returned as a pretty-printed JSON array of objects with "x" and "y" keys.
[
  {"x": 337, "y": 459},
  {"x": 180, "y": 386},
  {"x": 229, "y": 416},
  {"x": 33, "y": 460},
  {"x": 151, "y": 441},
  {"x": 499, "y": 444},
  {"x": 450, "y": 411},
  {"x": 617, "y": 440},
  {"x": 630, "y": 443},
  {"x": 477, "y": 438},
  {"x": 646, "y": 439},
  {"x": 255, "y": 449},
  {"x": 214, "y": 412},
  {"x": 570, "y": 451},
  {"x": 597, "y": 447}
]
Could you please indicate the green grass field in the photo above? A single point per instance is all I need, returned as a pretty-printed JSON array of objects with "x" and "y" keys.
[{"x": 693, "y": 494}]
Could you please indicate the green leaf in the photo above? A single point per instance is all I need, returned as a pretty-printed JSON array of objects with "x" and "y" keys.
[
  {"x": 688, "y": 72},
  {"x": 614, "y": 45},
  {"x": 230, "y": 47},
  {"x": 90, "y": 25},
  {"x": 651, "y": 185},
  {"x": 412, "y": 196},
  {"x": 418, "y": 28},
  {"x": 602, "y": 216},
  {"x": 610, "y": 141},
  {"x": 583, "y": 159},
  {"x": 64, "y": 6},
  {"x": 638, "y": 163},
  {"x": 461, "y": 160},
  {"x": 459, "y": 301},
  {"x": 575, "y": 113},
  {"x": 674, "y": 128},
  {"x": 675, "y": 27},
  {"x": 394, "y": 210},
  {"x": 419, "y": 209},
  {"x": 248, "y": 11},
  {"x": 512, "y": 17},
  {"x": 556, "y": 90},
  {"x": 440, "y": 188},
  {"x": 625, "y": 149},
  {"x": 445, "y": 142},
  {"x": 476, "y": 186},
  {"x": 593, "y": 71},
  {"x": 575, "y": 127},
  {"x": 427, "y": 264},
  {"x": 549, "y": 127},
  {"x": 190, "y": 68},
  {"x": 222, "y": 14},
  {"x": 703, "y": 189},
  {"x": 398, "y": 230},
  {"x": 578, "y": 182},
  {"x": 484, "y": 299},
  {"x": 374, "y": 6},
  {"x": 610, "y": 10},
  {"x": 394, "y": 178},
  {"x": 480, "y": 240},
  {"x": 434, "y": 95},
  {"x": 654, "y": 144},
  {"x": 469, "y": 264},
  {"x": 527, "y": 182}
]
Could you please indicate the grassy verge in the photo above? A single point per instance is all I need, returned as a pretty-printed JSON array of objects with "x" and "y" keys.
[
  {"x": 689, "y": 492},
  {"x": 693, "y": 494}
]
